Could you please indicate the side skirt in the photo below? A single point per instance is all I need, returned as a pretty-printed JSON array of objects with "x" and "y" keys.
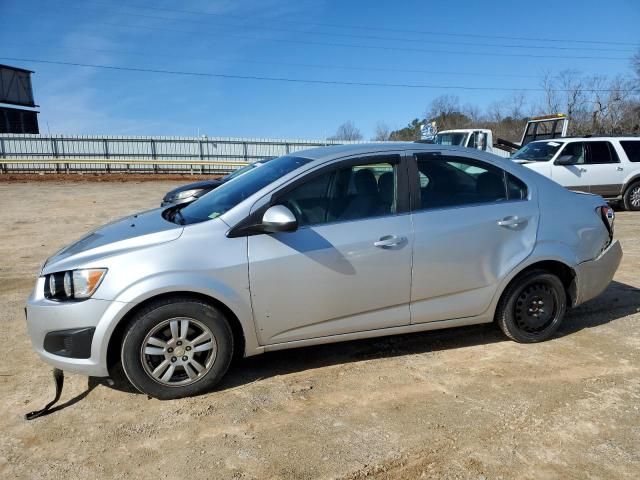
[{"x": 419, "y": 327}]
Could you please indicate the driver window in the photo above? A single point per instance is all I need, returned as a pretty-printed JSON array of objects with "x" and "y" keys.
[
  {"x": 576, "y": 151},
  {"x": 355, "y": 192}
]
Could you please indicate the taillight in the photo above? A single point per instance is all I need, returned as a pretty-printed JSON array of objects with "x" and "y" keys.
[{"x": 608, "y": 217}]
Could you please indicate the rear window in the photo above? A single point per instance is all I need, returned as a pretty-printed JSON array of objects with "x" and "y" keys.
[{"x": 632, "y": 149}]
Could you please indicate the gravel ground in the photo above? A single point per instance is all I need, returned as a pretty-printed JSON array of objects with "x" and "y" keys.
[{"x": 462, "y": 403}]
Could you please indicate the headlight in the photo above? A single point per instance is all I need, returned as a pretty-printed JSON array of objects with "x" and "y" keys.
[
  {"x": 73, "y": 284},
  {"x": 187, "y": 194}
]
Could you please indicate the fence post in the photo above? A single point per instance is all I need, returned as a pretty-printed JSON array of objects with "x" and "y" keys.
[
  {"x": 201, "y": 153},
  {"x": 286, "y": 148},
  {"x": 245, "y": 154},
  {"x": 54, "y": 152},
  {"x": 106, "y": 153},
  {"x": 153, "y": 154},
  {"x": 4, "y": 156}
]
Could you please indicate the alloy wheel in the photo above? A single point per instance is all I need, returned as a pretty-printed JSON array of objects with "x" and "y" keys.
[
  {"x": 634, "y": 197},
  {"x": 178, "y": 352}
]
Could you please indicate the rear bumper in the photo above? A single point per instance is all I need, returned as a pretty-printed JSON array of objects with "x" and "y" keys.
[{"x": 594, "y": 276}]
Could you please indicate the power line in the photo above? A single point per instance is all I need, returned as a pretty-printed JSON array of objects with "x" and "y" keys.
[
  {"x": 387, "y": 29},
  {"x": 287, "y": 79},
  {"x": 370, "y": 47},
  {"x": 350, "y": 35},
  {"x": 291, "y": 64}
]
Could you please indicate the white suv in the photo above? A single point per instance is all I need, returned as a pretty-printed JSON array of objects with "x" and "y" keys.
[{"x": 607, "y": 166}]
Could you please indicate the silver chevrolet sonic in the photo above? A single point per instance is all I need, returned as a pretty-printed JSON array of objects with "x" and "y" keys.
[{"x": 325, "y": 245}]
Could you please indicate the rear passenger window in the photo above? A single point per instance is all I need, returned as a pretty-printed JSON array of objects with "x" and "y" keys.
[
  {"x": 456, "y": 181},
  {"x": 632, "y": 149},
  {"x": 602, "y": 152}
]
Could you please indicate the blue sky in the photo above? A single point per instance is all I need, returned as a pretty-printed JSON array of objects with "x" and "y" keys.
[{"x": 300, "y": 39}]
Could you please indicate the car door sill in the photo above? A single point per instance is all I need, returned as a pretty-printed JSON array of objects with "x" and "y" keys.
[{"x": 419, "y": 327}]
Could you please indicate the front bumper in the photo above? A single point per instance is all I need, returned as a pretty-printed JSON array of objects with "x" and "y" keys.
[
  {"x": 594, "y": 276},
  {"x": 46, "y": 316}
]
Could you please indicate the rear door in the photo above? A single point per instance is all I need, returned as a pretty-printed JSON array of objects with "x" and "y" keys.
[
  {"x": 473, "y": 224},
  {"x": 604, "y": 172}
]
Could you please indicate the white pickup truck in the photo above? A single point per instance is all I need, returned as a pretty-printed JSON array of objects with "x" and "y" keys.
[{"x": 538, "y": 128}]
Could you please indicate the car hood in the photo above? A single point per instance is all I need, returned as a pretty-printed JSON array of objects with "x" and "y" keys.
[
  {"x": 129, "y": 233},
  {"x": 209, "y": 184}
]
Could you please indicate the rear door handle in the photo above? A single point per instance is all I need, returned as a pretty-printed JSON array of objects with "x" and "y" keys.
[
  {"x": 388, "y": 241},
  {"x": 620, "y": 169},
  {"x": 511, "y": 221}
]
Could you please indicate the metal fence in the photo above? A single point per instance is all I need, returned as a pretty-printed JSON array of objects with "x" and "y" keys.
[{"x": 90, "y": 153}]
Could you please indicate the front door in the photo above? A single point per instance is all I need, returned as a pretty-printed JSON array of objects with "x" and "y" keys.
[
  {"x": 574, "y": 176},
  {"x": 473, "y": 224},
  {"x": 347, "y": 268}
]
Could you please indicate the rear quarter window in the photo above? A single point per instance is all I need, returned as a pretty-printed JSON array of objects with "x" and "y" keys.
[{"x": 632, "y": 149}]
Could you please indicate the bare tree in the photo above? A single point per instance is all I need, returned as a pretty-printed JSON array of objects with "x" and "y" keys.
[
  {"x": 618, "y": 100},
  {"x": 550, "y": 102},
  {"x": 347, "y": 131},
  {"x": 473, "y": 112},
  {"x": 598, "y": 100},
  {"x": 495, "y": 112},
  {"x": 443, "y": 106},
  {"x": 572, "y": 85},
  {"x": 515, "y": 105},
  {"x": 383, "y": 134}
]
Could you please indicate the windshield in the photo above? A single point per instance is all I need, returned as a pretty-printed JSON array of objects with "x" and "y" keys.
[
  {"x": 228, "y": 195},
  {"x": 450, "y": 138},
  {"x": 537, "y": 151}
]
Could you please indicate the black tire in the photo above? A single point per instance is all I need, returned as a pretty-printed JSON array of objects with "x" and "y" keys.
[
  {"x": 204, "y": 319},
  {"x": 631, "y": 197},
  {"x": 522, "y": 317}
]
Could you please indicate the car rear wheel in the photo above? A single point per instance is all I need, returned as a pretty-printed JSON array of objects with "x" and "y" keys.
[
  {"x": 176, "y": 348},
  {"x": 532, "y": 307},
  {"x": 631, "y": 197}
]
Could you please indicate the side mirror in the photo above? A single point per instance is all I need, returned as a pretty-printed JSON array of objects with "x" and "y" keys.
[
  {"x": 278, "y": 219},
  {"x": 481, "y": 142},
  {"x": 565, "y": 160}
]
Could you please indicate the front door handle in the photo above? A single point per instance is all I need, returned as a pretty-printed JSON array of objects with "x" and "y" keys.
[
  {"x": 511, "y": 221},
  {"x": 582, "y": 169},
  {"x": 388, "y": 241}
]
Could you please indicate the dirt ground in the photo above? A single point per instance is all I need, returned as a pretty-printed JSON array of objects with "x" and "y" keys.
[{"x": 462, "y": 403}]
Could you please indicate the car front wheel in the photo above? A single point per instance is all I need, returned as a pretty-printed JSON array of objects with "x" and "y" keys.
[
  {"x": 532, "y": 307},
  {"x": 176, "y": 348}
]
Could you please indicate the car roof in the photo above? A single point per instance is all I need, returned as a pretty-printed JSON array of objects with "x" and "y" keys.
[
  {"x": 587, "y": 139},
  {"x": 337, "y": 151}
]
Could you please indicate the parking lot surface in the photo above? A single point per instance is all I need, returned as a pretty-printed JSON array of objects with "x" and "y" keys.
[{"x": 464, "y": 403}]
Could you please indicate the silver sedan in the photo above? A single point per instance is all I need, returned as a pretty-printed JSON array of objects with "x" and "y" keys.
[{"x": 326, "y": 245}]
